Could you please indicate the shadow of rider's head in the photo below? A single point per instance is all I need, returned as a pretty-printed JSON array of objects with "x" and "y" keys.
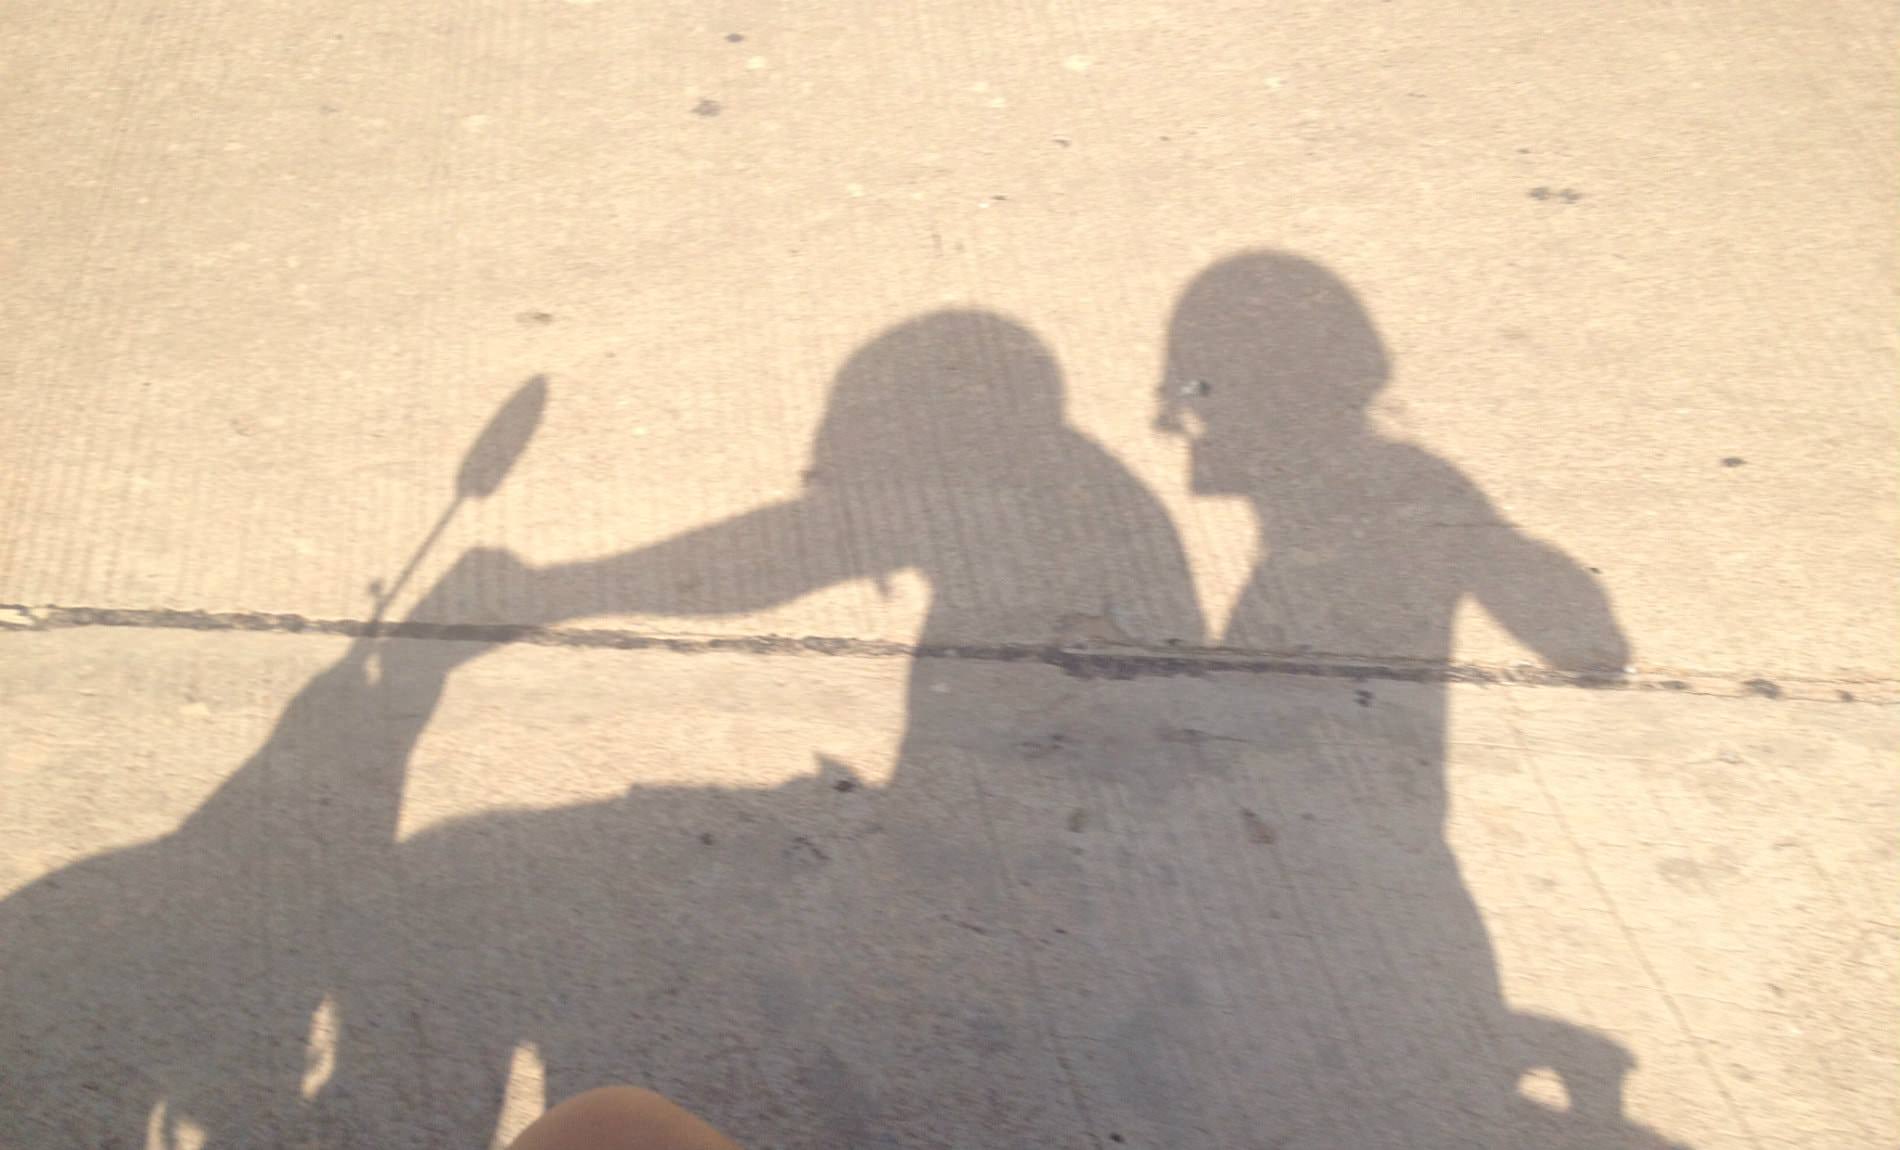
[
  {"x": 963, "y": 396},
  {"x": 1272, "y": 363}
]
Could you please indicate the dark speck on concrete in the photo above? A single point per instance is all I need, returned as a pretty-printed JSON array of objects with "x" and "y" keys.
[
  {"x": 1078, "y": 820},
  {"x": 1257, "y": 829},
  {"x": 1596, "y": 570},
  {"x": 735, "y": 37},
  {"x": 1733, "y": 461},
  {"x": 706, "y": 838},
  {"x": 1844, "y": 696},
  {"x": 1766, "y": 688},
  {"x": 845, "y": 786},
  {"x": 1116, "y": 1138},
  {"x": 802, "y": 849},
  {"x": 708, "y": 108},
  {"x": 1062, "y": 141},
  {"x": 1567, "y": 195},
  {"x": 1363, "y": 697},
  {"x": 532, "y": 318},
  {"x": 1041, "y": 745}
]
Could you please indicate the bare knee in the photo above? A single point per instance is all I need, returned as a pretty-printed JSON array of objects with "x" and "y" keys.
[{"x": 620, "y": 1118}]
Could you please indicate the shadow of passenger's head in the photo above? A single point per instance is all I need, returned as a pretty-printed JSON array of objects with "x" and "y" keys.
[{"x": 1268, "y": 355}]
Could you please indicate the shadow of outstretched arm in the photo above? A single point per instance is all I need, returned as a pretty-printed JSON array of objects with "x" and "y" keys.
[
  {"x": 762, "y": 558},
  {"x": 1549, "y": 603}
]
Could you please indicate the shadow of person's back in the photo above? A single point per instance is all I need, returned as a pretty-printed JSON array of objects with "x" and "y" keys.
[
  {"x": 1398, "y": 1028},
  {"x": 1370, "y": 542},
  {"x": 792, "y": 959}
]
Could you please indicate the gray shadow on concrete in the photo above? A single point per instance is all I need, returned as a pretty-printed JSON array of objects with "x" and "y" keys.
[{"x": 1113, "y": 894}]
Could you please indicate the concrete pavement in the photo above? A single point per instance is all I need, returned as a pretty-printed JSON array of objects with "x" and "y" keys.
[{"x": 1090, "y": 575}]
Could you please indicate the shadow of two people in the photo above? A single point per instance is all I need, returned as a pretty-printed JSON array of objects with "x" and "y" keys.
[{"x": 945, "y": 960}]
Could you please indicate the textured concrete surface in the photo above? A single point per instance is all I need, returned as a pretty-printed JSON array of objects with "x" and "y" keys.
[
  {"x": 1110, "y": 574},
  {"x": 1186, "y": 911}
]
